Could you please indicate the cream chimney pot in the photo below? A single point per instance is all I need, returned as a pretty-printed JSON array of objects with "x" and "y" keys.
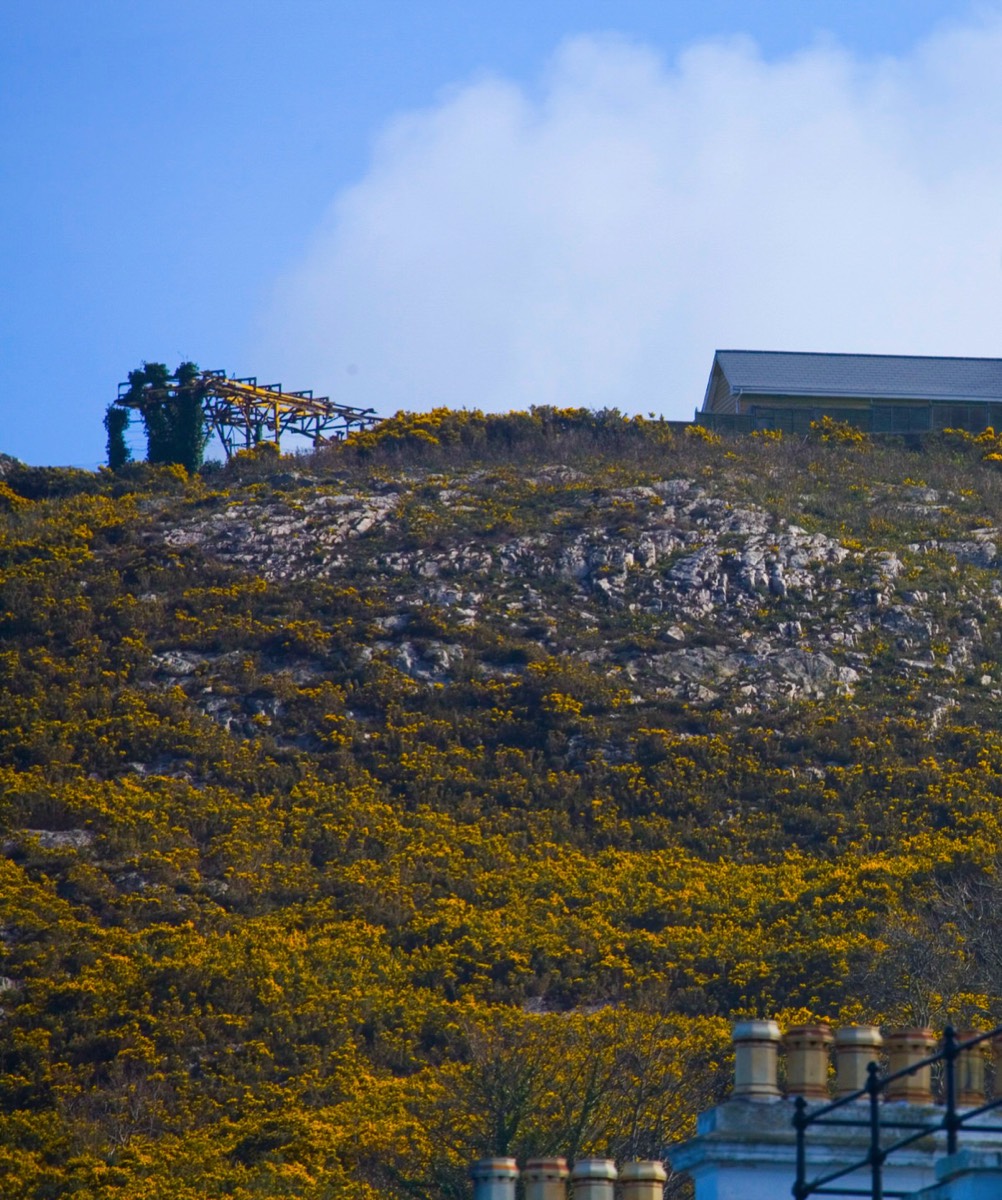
[
  {"x": 494, "y": 1179},
  {"x": 756, "y": 1045},
  {"x": 594, "y": 1179},
  {"x": 856, "y": 1046},
  {"x": 807, "y": 1061},
  {"x": 970, "y": 1071},
  {"x": 545, "y": 1179},
  {"x": 905, "y": 1047},
  {"x": 643, "y": 1181}
]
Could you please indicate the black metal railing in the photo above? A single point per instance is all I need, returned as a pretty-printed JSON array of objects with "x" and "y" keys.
[{"x": 951, "y": 1123}]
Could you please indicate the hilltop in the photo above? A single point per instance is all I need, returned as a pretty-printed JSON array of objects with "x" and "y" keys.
[{"x": 447, "y": 791}]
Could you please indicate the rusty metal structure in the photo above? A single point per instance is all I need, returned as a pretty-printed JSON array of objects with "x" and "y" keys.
[{"x": 242, "y": 413}]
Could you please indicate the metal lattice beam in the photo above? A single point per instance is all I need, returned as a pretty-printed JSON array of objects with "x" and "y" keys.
[{"x": 242, "y": 413}]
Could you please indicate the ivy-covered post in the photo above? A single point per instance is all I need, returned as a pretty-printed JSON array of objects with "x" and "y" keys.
[
  {"x": 171, "y": 408},
  {"x": 116, "y": 422},
  {"x": 148, "y": 391},
  {"x": 188, "y": 420}
]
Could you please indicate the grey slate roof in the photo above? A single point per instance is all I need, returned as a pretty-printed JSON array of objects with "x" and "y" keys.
[{"x": 880, "y": 376}]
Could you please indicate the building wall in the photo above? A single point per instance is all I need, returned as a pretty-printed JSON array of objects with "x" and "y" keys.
[
  {"x": 719, "y": 398},
  {"x": 794, "y": 414}
]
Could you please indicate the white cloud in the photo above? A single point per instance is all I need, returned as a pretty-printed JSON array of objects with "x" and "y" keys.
[{"x": 593, "y": 240}]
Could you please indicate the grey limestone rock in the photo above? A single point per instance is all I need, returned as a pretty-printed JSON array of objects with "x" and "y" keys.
[
  {"x": 178, "y": 662},
  {"x": 61, "y": 839},
  {"x": 978, "y": 553}
]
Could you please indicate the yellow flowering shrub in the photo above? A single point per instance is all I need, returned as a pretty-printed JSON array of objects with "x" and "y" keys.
[{"x": 311, "y": 890}]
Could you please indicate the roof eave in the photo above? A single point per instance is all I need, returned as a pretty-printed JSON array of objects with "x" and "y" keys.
[{"x": 864, "y": 395}]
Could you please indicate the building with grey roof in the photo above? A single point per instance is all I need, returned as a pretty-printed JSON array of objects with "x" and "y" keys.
[{"x": 879, "y": 393}]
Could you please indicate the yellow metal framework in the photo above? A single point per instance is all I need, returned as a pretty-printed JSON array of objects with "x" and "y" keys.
[{"x": 242, "y": 413}]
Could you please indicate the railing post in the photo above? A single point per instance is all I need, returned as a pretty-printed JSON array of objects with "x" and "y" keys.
[
  {"x": 800, "y": 1125},
  {"x": 876, "y": 1154},
  {"x": 950, "y": 1061}
]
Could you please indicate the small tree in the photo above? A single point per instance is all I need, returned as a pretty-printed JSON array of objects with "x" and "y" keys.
[{"x": 116, "y": 422}]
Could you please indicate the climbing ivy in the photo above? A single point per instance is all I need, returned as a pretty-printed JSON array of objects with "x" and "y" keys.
[{"x": 171, "y": 409}]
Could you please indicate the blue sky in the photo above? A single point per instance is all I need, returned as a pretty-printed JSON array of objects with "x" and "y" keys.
[{"x": 492, "y": 204}]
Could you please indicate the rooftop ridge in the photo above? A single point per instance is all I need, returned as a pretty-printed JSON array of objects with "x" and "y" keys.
[{"x": 853, "y": 354}]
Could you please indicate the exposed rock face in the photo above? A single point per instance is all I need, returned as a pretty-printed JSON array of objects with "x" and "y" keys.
[
  {"x": 432, "y": 663},
  {"x": 56, "y": 839},
  {"x": 282, "y": 541},
  {"x": 980, "y": 553},
  {"x": 732, "y": 603},
  {"x": 792, "y": 673}
]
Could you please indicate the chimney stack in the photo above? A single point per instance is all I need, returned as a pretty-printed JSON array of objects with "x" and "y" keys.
[
  {"x": 756, "y": 1047},
  {"x": 905, "y": 1047},
  {"x": 494, "y": 1179},
  {"x": 594, "y": 1179},
  {"x": 970, "y": 1071},
  {"x": 643, "y": 1181},
  {"x": 807, "y": 1061},
  {"x": 856, "y": 1046},
  {"x": 545, "y": 1179}
]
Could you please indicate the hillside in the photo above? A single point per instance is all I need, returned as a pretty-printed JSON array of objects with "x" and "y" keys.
[{"x": 448, "y": 791}]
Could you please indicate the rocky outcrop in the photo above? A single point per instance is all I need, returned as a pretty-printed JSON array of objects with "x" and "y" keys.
[
  {"x": 284, "y": 541},
  {"x": 733, "y": 603}
]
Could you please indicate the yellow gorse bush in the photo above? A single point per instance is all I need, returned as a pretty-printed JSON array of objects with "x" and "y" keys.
[{"x": 283, "y": 917}]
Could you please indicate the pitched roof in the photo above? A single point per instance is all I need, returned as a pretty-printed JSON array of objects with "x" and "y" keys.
[{"x": 898, "y": 376}]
